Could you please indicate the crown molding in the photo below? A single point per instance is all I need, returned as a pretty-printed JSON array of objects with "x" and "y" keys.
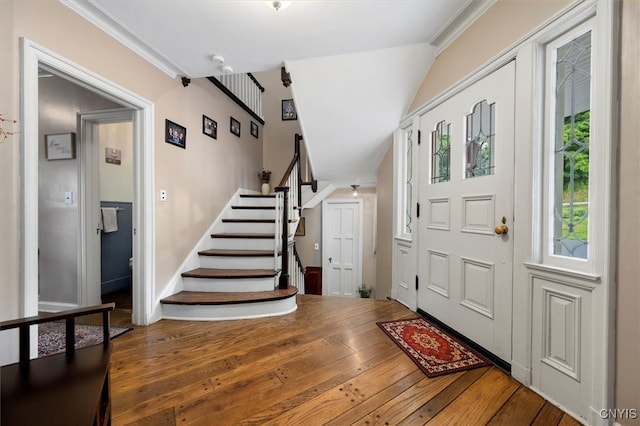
[
  {"x": 99, "y": 17},
  {"x": 459, "y": 23}
]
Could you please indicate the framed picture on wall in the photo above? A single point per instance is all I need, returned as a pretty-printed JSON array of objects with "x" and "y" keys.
[
  {"x": 254, "y": 129},
  {"x": 60, "y": 146},
  {"x": 209, "y": 127},
  {"x": 235, "y": 126},
  {"x": 175, "y": 134},
  {"x": 289, "y": 110}
]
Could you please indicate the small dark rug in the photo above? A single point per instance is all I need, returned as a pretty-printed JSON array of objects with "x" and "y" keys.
[
  {"x": 51, "y": 336},
  {"x": 435, "y": 352}
]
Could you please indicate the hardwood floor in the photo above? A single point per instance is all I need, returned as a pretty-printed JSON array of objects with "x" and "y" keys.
[{"x": 327, "y": 363}]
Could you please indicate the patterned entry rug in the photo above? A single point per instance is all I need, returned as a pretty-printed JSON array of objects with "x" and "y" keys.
[
  {"x": 51, "y": 336},
  {"x": 435, "y": 352}
]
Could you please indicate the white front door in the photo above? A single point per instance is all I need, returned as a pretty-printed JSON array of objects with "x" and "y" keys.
[
  {"x": 466, "y": 191},
  {"x": 342, "y": 246}
]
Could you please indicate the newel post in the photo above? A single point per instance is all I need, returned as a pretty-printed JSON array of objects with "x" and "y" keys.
[{"x": 284, "y": 274}]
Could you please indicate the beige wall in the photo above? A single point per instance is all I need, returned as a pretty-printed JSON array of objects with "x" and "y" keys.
[
  {"x": 495, "y": 31},
  {"x": 313, "y": 234},
  {"x": 385, "y": 226},
  {"x": 279, "y": 135},
  {"x": 628, "y": 312},
  {"x": 116, "y": 180},
  {"x": 200, "y": 180}
]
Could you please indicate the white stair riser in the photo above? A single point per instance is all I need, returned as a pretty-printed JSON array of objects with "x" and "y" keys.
[
  {"x": 229, "y": 312},
  {"x": 229, "y": 284},
  {"x": 255, "y": 228},
  {"x": 243, "y": 243},
  {"x": 254, "y": 201},
  {"x": 251, "y": 214},
  {"x": 232, "y": 262}
]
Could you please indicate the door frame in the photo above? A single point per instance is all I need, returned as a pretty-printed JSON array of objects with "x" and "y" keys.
[
  {"x": 325, "y": 258},
  {"x": 34, "y": 56},
  {"x": 89, "y": 197}
]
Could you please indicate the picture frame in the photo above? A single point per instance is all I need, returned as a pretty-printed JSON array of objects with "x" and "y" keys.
[
  {"x": 209, "y": 127},
  {"x": 60, "y": 146},
  {"x": 289, "y": 110},
  {"x": 254, "y": 129},
  {"x": 234, "y": 126},
  {"x": 300, "y": 230},
  {"x": 175, "y": 134},
  {"x": 113, "y": 156}
]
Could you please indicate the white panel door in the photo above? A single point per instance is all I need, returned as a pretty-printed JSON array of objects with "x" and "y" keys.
[
  {"x": 465, "y": 266},
  {"x": 342, "y": 246}
]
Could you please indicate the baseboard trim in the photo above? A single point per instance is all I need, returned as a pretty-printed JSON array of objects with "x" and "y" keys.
[
  {"x": 44, "y": 306},
  {"x": 494, "y": 359}
]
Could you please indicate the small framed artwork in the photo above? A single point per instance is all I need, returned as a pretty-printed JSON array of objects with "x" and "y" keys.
[
  {"x": 209, "y": 127},
  {"x": 300, "y": 230},
  {"x": 61, "y": 146},
  {"x": 175, "y": 134},
  {"x": 235, "y": 127},
  {"x": 289, "y": 110},
  {"x": 254, "y": 129},
  {"x": 113, "y": 156}
]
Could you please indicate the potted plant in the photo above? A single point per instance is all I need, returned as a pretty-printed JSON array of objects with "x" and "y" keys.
[
  {"x": 364, "y": 291},
  {"x": 265, "y": 176}
]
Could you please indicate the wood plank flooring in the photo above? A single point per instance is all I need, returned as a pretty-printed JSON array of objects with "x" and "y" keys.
[{"x": 327, "y": 363}]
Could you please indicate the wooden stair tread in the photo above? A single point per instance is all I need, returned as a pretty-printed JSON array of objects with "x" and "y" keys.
[
  {"x": 257, "y": 196},
  {"x": 228, "y": 298},
  {"x": 249, "y": 220},
  {"x": 254, "y": 207},
  {"x": 242, "y": 235},
  {"x": 229, "y": 273},
  {"x": 236, "y": 253}
]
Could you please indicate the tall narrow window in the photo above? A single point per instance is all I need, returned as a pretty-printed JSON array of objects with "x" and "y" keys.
[
  {"x": 479, "y": 144},
  {"x": 572, "y": 123},
  {"x": 408, "y": 178},
  {"x": 440, "y": 150}
]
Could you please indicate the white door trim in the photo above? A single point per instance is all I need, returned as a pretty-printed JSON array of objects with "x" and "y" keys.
[
  {"x": 89, "y": 196},
  {"x": 325, "y": 257},
  {"x": 32, "y": 56}
]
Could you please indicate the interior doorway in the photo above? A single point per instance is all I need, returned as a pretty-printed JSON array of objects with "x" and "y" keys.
[
  {"x": 107, "y": 205},
  {"x": 342, "y": 246},
  {"x": 34, "y": 58}
]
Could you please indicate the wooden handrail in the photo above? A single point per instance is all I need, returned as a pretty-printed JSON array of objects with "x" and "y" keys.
[{"x": 283, "y": 181}]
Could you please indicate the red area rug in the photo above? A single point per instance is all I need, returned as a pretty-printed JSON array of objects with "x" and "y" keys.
[{"x": 435, "y": 352}]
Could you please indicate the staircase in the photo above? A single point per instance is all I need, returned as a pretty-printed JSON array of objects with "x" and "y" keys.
[{"x": 240, "y": 274}]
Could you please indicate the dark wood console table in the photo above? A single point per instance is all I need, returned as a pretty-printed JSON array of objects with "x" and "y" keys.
[{"x": 69, "y": 388}]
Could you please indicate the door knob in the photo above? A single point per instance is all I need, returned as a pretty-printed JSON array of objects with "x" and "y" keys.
[
  {"x": 330, "y": 259},
  {"x": 502, "y": 229}
]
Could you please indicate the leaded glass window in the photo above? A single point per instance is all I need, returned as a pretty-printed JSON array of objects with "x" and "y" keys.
[
  {"x": 408, "y": 181},
  {"x": 440, "y": 150},
  {"x": 479, "y": 159},
  {"x": 571, "y": 147}
]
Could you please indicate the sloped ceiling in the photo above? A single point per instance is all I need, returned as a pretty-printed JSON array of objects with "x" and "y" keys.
[{"x": 356, "y": 64}]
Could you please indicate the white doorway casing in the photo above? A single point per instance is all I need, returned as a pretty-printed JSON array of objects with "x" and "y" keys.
[
  {"x": 34, "y": 56},
  {"x": 90, "y": 197},
  {"x": 342, "y": 240}
]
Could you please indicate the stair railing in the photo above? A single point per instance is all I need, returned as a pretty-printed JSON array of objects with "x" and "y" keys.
[
  {"x": 297, "y": 269},
  {"x": 282, "y": 234}
]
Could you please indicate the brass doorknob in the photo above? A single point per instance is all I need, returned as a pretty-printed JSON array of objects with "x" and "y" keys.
[{"x": 502, "y": 229}]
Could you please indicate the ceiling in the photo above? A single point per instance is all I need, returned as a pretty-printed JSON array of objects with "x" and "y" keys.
[{"x": 370, "y": 43}]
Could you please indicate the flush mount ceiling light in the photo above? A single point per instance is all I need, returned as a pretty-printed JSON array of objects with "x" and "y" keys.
[
  {"x": 277, "y": 5},
  {"x": 227, "y": 69},
  {"x": 354, "y": 188},
  {"x": 218, "y": 59}
]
